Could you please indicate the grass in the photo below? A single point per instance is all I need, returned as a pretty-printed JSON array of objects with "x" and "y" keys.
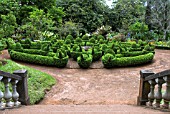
[{"x": 38, "y": 81}]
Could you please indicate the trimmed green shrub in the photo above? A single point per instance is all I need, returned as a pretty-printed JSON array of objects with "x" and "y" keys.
[
  {"x": 28, "y": 41},
  {"x": 108, "y": 60},
  {"x": 133, "y": 53},
  {"x": 70, "y": 37},
  {"x": 168, "y": 43},
  {"x": 67, "y": 41},
  {"x": 92, "y": 40},
  {"x": 46, "y": 48},
  {"x": 84, "y": 60},
  {"x": 61, "y": 59},
  {"x": 136, "y": 60},
  {"x": 35, "y": 52},
  {"x": 96, "y": 53},
  {"x": 109, "y": 51},
  {"x": 35, "y": 45},
  {"x": 99, "y": 37},
  {"x": 38, "y": 59},
  {"x": 85, "y": 37},
  {"x": 78, "y": 40},
  {"x": 10, "y": 43},
  {"x": 101, "y": 41},
  {"x": 25, "y": 46}
]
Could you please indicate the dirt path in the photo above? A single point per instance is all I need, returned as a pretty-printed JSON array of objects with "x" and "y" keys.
[{"x": 98, "y": 86}]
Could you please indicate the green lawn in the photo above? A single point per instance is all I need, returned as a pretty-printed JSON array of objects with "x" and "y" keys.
[{"x": 38, "y": 81}]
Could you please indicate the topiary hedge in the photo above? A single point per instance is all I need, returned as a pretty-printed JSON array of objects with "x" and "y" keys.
[
  {"x": 84, "y": 60},
  {"x": 38, "y": 59},
  {"x": 61, "y": 59},
  {"x": 136, "y": 60},
  {"x": 108, "y": 60}
]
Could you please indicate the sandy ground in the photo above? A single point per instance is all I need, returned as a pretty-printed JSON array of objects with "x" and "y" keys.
[{"x": 97, "y": 85}]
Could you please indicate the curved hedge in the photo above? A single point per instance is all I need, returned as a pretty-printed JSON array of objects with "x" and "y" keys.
[
  {"x": 84, "y": 60},
  {"x": 110, "y": 60},
  {"x": 136, "y": 60},
  {"x": 38, "y": 59}
]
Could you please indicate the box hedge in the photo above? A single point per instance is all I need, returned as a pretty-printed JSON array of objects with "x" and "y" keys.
[{"x": 84, "y": 60}]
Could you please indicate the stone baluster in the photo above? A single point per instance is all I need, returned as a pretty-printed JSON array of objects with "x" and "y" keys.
[
  {"x": 2, "y": 105},
  {"x": 166, "y": 95},
  {"x": 8, "y": 94},
  {"x": 151, "y": 94},
  {"x": 158, "y": 94},
  {"x": 15, "y": 95}
]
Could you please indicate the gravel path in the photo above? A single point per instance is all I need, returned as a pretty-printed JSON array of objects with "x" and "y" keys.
[{"x": 98, "y": 86}]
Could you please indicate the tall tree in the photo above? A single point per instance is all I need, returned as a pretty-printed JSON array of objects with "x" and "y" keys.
[
  {"x": 87, "y": 12},
  {"x": 160, "y": 16}
]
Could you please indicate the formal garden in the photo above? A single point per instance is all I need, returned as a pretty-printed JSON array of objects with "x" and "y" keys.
[{"x": 48, "y": 35}]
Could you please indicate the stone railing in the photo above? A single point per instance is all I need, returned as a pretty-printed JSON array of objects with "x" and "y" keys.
[
  {"x": 150, "y": 91},
  {"x": 19, "y": 93}
]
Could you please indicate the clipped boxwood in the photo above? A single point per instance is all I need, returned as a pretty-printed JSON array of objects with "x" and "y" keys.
[
  {"x": 38, "y": 59},
  {"x": 96, "y": 53},
  {"x": 84, "y": 60},
  {"x": 61, "y": 59},
  {"x": 85, "y": 37},
  {"x": 136, "y": 60},
  {"x": 108, "y": 60}
]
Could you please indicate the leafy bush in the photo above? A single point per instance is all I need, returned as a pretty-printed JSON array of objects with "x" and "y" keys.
[
  {"x": 35, "y": 52},
  {"x": 84, "y": 60},
  {"x": 38, "y": 59},
  {"x": 99, "y": 37},
  {"x": 10, "y": 43},
  {"x": 92, "y": 40},
  {"x": 35, "y": 45},
  {"x": 168, "y": 43},
  {"x": 67, "y": 41},
  {"x": 28, "y": 41},
  {"x": 70, "y": 37},
  {"x": 108, "y": 60},
  {"x": 136, "y": 60},
  {"x": 61, "y": 59},
  {"x": 85, "y": 37},
  {"x": 96, "y": 53},
  {"x": 78, "y": 40}
]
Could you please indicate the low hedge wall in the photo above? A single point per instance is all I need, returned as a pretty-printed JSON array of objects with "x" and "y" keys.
[
  {"x": 38, "y": 59},
  {"x": 110, "y": 60},
  {"x": 136, "y": 60}
]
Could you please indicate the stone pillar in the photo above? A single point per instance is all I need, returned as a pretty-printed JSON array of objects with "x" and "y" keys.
[
  {"x": 22, "y": 87},
  {"x": 144, "y": 88},
  {"x": 158, "y": 94},
  {"x": 166, "y": 95}
]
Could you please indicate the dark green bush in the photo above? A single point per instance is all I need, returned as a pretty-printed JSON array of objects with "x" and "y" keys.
[
  {"x": 10, "y": 43},
  {"x": 84, "y": 60},
  {"x": 28, "y": 41},
  {"x": 96, "y": 53},
  {"x": 92, "y": 40},
  {"x": 78, "y": 40},
  {"x": 109, "y": 51},
  {"x": 70, "y": 37},
  {"x": 85, "y": 37},
  {"x": 61, "y": 59},
  {"x": 99, "y": 37},
  {"x": 35, "y": 45},
  {"x": 108, "y": 60},
  {"x": 67, "y": 41},
  {"x": 133, "y": 53},
  {"x": 136, "y": 60},
  {"x": 38, "y": 59},
  {"x": 35, "y": 52}
]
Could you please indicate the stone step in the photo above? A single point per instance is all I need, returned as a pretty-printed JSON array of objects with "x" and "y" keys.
[{"x": 82, "y": 109}]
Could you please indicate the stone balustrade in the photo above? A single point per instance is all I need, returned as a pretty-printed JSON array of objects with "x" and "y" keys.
[
  {"x": 151, "y": 93},
  {"x": 16, "y": 94}
]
